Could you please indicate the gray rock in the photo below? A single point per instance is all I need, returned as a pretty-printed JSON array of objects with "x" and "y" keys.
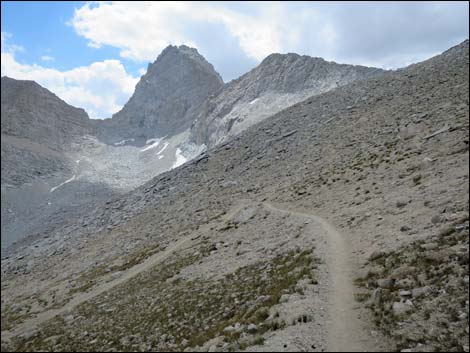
[
  {"x": 229, "y": 329},
  {"x": 402, "y": 203},
  {"x": 376, "y": 255},
  {"x": 386, "y": 283},
  {"x": 403, "y": 271},
  {"x": 376, "y": 296},
  {"x": 69, "y": 318},
  {"x": 418, "y": 292},
  {"x": 429, "y": 246},
  {"x": 252, "y": 328},
  {"x": 400, "y": 308}
]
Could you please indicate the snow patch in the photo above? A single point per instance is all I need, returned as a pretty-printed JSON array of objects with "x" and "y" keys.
[
  {"x": 61, "y": 184},
  {"x": 164, "y": 147},
  {"x": 123, "y": 142},
  {"x": 153, "y": 145},
  {"x": 180, "y": 159},
  {"x": 152, "y": 140}
]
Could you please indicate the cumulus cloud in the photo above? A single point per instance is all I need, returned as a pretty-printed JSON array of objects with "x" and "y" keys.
[
  {"x": 389, "y": 34},
  {"x": 101, "y": 88},
  {"x": 143, "y": 29}
]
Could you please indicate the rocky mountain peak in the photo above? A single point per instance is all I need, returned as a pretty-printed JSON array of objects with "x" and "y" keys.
[
  {"x": 279, "y": 81},
  {"x": 166, "y": 97},
  {"x": 172, "y": 52}
]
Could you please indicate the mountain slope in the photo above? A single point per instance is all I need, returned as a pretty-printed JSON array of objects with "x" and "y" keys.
[
  {"x": 75, "y": 156},
  {"x": 32, "y": 112},
  {"x": 36, "y": 127},
  {"x": 40, "y": 133},
  {"x": 278, "y": 82},
  {"x": 385, "y": 160},
  {"x": 53, "y": 162}
]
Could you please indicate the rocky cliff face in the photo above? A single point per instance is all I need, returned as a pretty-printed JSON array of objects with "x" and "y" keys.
[
  {"x": 166, "y": 98},
  {"x": 37, "y": 127},
  {"x": 278, "y": 82},
  {"x": 32, "y": 112}
]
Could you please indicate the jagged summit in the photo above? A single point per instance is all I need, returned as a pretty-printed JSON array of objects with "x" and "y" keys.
[
  {"x": 166, "y": 98},
  {"x": 191, "y": 53}
]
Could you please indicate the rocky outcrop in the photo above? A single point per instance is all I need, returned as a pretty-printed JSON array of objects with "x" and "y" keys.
[
  {"x": 279, "y": 81},
  {"x": 166, "y": 99}
]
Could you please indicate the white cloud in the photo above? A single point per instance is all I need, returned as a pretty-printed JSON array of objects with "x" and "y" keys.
[
  {"x": 120, "y": 24},
  {"x": 143, "y": 29},
  {"x": 101, "y": 88},
  {"x": 47, "y": 58},
  {"x": 388, "y": 33}
]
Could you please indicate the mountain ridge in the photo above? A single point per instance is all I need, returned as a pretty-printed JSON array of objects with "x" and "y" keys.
[{"x": 278, "y": 81}]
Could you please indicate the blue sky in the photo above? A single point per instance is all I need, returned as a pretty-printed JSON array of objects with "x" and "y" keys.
[
  {"x": 52, "y": 36},
  {"x": 92, "y": 54}
]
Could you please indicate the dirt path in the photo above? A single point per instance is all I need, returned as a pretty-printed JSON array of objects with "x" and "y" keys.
[
  {"x": 346, "y": 332},
  {"x": 31, "y": 324}
]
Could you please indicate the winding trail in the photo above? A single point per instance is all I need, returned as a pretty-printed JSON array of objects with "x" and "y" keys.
[
  {"x": 346, "y": 332},
  {"x": 32, "y": 323}
]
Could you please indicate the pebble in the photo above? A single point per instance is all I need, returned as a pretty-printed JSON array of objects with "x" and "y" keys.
[
  {"x": 400, "y": 308},
  {"x": 401, "y": 203},
  {"x": 405, "y": 228},
  {"x": 386, "y": 283},
  {"x": 429, "y": 246}
]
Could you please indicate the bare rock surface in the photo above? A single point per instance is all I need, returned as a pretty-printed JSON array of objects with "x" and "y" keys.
[{"x": 279, "y": 81}]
